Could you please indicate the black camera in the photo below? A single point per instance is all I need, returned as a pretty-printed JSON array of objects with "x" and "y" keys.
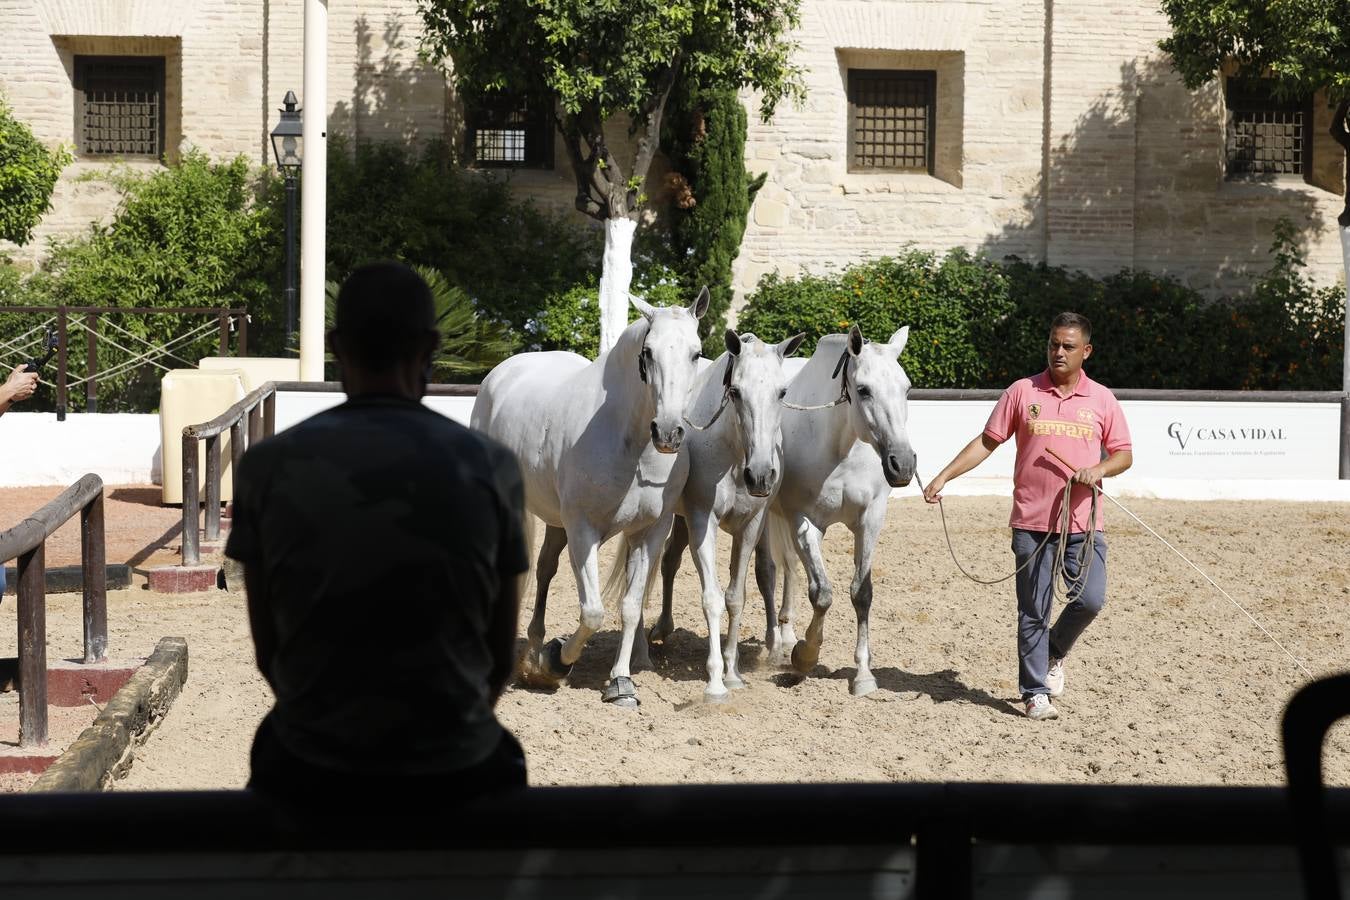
[{"x": 50, "y": 343}]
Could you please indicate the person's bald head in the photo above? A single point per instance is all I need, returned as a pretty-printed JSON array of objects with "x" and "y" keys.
[{"x": 384, "y": 316}]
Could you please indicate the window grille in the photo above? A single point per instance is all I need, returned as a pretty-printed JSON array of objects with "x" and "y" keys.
[
  {"x": 891, "y": 119},
  {"x": 1265, "y": 136},
  {"x": 121, "y": 105},
  {"x": 511, "y": 133}
]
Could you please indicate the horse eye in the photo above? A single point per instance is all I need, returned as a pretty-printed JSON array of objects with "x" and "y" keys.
[
  {"x": 647, "y": 352},
  {"x": 734, "y": 393},
  {"x": 782, "y": 393},
  {"x": 695, "y": 356},
  {"x": 864, "y": 392}
]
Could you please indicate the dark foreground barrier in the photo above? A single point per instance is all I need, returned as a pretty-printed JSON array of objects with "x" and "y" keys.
[{"x": 851, "y": 840}]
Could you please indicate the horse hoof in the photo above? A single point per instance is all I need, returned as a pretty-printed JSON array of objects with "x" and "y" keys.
[
  {"x": 804, "y": 657},
  {"x": 551, "y": 661},
  {"x": 863, "y": 686},
  {"x": 734, "y": 682},
  {"x": 621, "y": 692},
  {"x": 659, "y": 633},
  {"x": 710, "y": 697}
]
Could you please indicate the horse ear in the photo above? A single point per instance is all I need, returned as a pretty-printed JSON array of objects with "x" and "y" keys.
[
  {"x": 855, "y": 341},
  {"x": 733, "y": 341},
  {"x": 898, "y": 341},
  {"x": 643, "y": 307},
  {"x": 790, "y": 346},
  {"x": 700, "y": 304}
]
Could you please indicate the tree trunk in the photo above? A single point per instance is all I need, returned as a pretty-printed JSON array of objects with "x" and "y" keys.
[{"x": 616, "y": 276}]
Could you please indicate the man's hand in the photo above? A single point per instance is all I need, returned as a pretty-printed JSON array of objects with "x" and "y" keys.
[
  {"x": 1091, "y": 476},
  {"x": 932, "y": 492},
  {"x": 20, "y": 385}
]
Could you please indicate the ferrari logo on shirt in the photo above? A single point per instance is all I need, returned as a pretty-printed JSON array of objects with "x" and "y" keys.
[
  {"x": 1034, "y": 410},
  {"x": 1085, "y": 415}
]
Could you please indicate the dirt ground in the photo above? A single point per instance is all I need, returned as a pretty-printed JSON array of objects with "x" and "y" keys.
[{"x": 1171, "y": 685}]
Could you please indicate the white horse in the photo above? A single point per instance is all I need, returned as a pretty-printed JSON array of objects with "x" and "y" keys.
[
  {"x": 857, "y": 398},
  {"x": 735, "y": 463},
  {"x": 598, "y": 444}
]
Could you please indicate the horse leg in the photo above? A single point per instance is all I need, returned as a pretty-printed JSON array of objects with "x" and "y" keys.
[
  {"x": 864, "y": 544},
  {"x": 742, "y": 543},
  {"x": 583, "y": 547},
  {"x": 787, "y": 615},
  {"x": 807, "y": 538},
  {"x": 642, "y": 549},
  {"x": 765, "y": 576},
  {"x": 670, "y": 564},
  {"x": 555, "y": 539},
  {"x": 703, "y": 540}
]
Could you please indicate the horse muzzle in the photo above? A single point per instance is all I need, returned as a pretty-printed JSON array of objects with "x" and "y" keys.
[
  {"x": 761, "y": 484},
  {"x": 899, "y": 466},
  {"x": 668, "y": 441}
]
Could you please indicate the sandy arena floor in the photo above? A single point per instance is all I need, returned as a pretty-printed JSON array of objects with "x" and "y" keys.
[{"x": 1171, "y": 685}]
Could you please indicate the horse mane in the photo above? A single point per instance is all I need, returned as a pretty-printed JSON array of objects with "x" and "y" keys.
[{"x": 816, "y": 382}]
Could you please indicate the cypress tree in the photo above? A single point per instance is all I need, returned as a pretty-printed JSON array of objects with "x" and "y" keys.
[{"x": 712, "y": 197}]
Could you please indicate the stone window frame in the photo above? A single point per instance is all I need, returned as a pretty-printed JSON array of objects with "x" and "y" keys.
[
  {"x": 86, "y": 66},
  {"x": 925, "y": 80},
  {"x": 1249, "y": 100},
  {"x": 505, "y": 125}
]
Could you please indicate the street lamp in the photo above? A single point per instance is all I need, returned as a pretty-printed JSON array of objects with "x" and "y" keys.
[{"x": 287, "y": 143}]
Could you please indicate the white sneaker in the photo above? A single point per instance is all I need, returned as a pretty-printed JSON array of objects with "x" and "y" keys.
[
  {"x": 1054, "y": 677},
  {"x": 1039, "y": 707}
]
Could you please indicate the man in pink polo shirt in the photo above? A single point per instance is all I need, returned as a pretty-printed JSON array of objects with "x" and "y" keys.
[{"x": 1064, "y": 410}]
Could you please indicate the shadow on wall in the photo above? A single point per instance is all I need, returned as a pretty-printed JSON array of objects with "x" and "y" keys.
[
  {"x": 1139, "y": 183},
  {"x": 395, "y": 98}
]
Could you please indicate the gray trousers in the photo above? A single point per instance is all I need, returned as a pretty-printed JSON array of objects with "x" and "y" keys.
[{"x": 1037, "y": 641}]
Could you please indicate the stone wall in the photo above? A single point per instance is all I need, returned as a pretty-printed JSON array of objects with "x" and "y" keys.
[{"x": 1061, "y": 132}]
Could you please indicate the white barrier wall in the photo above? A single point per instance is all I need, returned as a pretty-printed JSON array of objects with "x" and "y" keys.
[{"x": 1182, "y": 450}]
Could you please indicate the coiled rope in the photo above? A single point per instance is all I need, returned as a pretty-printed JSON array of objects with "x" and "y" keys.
[{"x": 1063, "y": 585}]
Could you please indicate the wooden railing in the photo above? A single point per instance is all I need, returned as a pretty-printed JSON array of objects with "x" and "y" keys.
[
  {"x": 259, "y": 411},
  {"x": 228, "y": 317},
  {"x": 26, "y": 542}
]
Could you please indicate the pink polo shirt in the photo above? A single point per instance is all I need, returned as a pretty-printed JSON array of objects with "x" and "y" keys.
[{"x": 1077, "y": 427}]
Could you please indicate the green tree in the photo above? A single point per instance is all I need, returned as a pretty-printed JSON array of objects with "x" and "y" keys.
[
  {"x": 28, "y": 173},
  {"x": 194, "y": 234},
  {"x": 1302, "y": 45},
  {"x": 604, "y": 62},
  {"x": 706, "y": 145}
]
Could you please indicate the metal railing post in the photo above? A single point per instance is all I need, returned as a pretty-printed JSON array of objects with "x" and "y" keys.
[
  {"x": 61, "y": 364},
  {"x": 32, "y": 648},
  {"x": 236, "y": 454},
  {"x": 224, "y": 318},
  {"x": 91, "y": 362},
  {"x": 191, "y": 548},
  {"x": 255, "y": 424},
  {"x": 93, "y": 560},
  {"x": 241, "y": 322},
  {"x": 213, "y": 487},
  {"x": 1345, "y": 437}
]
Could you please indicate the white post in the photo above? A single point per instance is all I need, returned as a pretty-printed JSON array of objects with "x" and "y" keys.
[
  {"x": 314, "y": 191},
  {"x": 1345, "y": 252},
  {"x": 616, "y": 277}
]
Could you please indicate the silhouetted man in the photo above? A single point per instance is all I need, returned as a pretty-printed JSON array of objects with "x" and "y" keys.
[{"x": 381, "y": 545}]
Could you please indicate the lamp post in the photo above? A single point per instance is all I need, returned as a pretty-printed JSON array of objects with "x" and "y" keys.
[{"x": 287, "y": 142}]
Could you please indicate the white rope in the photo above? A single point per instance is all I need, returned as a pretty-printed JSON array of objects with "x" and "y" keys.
[
  {"x": 201, "y": 329},
  {"x": 1302, "y": 667},
  {"x": 143, "y": 357},
  {"x": 8, "y": 345}
]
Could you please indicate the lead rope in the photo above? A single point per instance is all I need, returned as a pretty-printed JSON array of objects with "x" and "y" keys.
[{"x": 1059, "y": 560}]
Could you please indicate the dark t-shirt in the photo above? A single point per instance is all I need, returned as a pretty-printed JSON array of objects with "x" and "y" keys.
[{"x": 383, "y": 531}]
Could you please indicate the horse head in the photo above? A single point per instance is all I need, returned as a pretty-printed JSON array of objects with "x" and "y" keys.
[
  {"x": 756, "y": 385},
  {"x": 667, "y": 364},
  {"x": 878, "y": 391}
]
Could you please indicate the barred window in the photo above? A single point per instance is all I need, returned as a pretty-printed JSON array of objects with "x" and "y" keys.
[
  {"x": 1265, "y": 136},
  {"x": 511, "y": 132},
  {"x": 891, "y": 114},
  {"x": 120, "y": 105}
]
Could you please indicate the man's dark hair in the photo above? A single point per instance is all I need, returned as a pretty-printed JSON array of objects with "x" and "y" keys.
[
  {"x": 1073, "y": 320},
  {"x": 384, "y": 315}
]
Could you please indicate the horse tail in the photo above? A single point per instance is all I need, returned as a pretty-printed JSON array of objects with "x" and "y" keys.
[
  {"x": 780, "y": 541},
  {"x": 616, "y": 580}
]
